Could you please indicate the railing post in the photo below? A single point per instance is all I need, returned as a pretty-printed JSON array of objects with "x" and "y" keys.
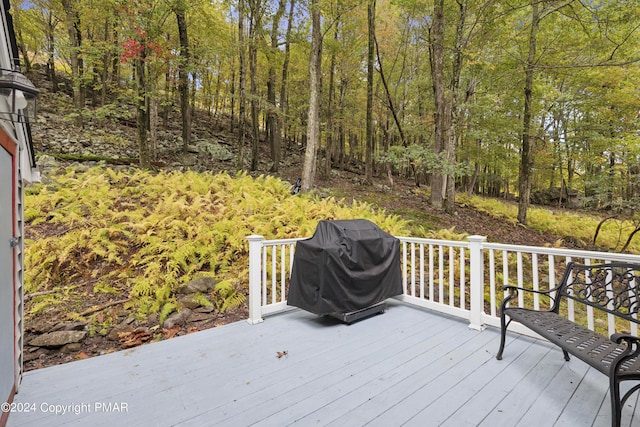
[
  {"x": 476, "y": 281},
  {"x": 255, "y": 279}
]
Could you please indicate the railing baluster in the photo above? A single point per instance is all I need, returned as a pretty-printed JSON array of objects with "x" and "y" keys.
[
  {"x": 274, "y": 274},
  {"x": 505, "y": 270},
  {"x": 520, "y": 275},
  {"x": 431, "y": 275},
  {"x": 404, "y": 267},
  {"x": 492, "y": 282},
  {"x": 452, "y": 284},
  {"x": 590, "y": 319},
  {"x": 571, "y": 315},
  {"x": 536, "y": 284},
  {"x": 441, "y": 274},
  {"x": 463, "y": 296},
  {"x": 422, "y": 270},
  {"x": 283, "y": 278},
  {"x": 264, "y": 275},
  {"x": 413, "y": 269}
]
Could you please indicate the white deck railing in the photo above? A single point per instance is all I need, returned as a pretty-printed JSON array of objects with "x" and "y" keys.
[{"x": 459, "y": 278}]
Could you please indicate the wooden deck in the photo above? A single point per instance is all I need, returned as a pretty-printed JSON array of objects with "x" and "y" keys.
[{"x": 405, "y": 367}]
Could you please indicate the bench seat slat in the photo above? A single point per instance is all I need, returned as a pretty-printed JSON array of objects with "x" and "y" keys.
[{"x": 588, "y": 346}]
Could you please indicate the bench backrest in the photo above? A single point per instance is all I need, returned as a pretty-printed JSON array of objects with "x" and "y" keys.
[{"x": 613, "y": 288}]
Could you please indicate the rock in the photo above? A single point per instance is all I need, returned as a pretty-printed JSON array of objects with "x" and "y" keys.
[
  {"x": 152, "y": 319},
  {"x": 34, "y": 353},
  {"x": 207, "y": 309},
  {"x": 177, "y": 319},
  {"x": 58, "y": 338},
  {"x": 199, "y": 317},
  {"x": 71, "y": 348},
  {"x": 188, "y": 302},
  {"x": 114, "y": 334},
  {"x": 215, "y": 150},
  {"x": 39, "y": 326},
  {"x": 68, "y": 326},
  {"x": 201, "y": 284},
  {"x": 552, "y": 196}
]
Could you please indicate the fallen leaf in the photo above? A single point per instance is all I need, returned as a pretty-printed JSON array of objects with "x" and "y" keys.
[
  {"x": 135, "y": 338},
  {"x": 171, "y": 332},
  {"x": 281, "y": 354}
]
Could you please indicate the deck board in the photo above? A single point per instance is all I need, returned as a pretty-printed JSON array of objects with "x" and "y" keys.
[{"x": 407, "y": 366}]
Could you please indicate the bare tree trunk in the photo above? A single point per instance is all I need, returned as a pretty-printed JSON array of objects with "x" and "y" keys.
[
  {"x": 284, "y": 103},
  {"x": 526, "y": 157},
  {"x": 183, "y": 74},
  {"x": 153, "y": 122},
  {"x": 390, "y": 104},
  {"x": 342, "y": 157},
  {"x": 436, "y": 47},
  {"x": 254, "y": 26},
  {"x": 142, "y": 117},
  {"x": 243, "y": 85},
  {"x": 453, "y": 129},
  {"x": 313, "y": 121},
  {"x": 330, "y": 133},
  {"x": 273, "y": 124},
  {"x": 51, "y": 47},
  {"x": 370, "y": 143},
  {"x": 77, "y": 66}
]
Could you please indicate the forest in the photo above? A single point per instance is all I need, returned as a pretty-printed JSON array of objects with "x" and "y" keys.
[{"x": 491, "y": 97}]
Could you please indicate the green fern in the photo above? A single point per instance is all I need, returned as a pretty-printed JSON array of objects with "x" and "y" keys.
[
  {"x": 154, "y": 232},
  {"x": 227, "y": 297}
]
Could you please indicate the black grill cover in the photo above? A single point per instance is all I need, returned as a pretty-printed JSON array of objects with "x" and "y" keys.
[{"x": 346, "y": 266}]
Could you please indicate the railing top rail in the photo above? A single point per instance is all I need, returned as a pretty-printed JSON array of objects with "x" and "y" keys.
[
  {"x": 281, "y": 241},
  {"x": 540, "y": 250},
  {"x": 562, "y": 252},
  {"x": 437, "y": 242}
]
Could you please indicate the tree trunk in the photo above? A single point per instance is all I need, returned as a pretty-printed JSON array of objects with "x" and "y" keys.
[
  {"x": 183, "y": 74},
  {"x": 313, "y": 120},
  {"x": 330, "y": 134},
  {"x": 254, "y": 25},
  {"x": 243, "y": 87},
  {"x": 51, "y": 47},
  {"x": 526, "y": 157},
  {"x": 342, "y": 157},
  {"x": 454, "y": 131},
  {"x": 436, "y": 47},
  {"x": 284, "y": 102},
  {"x": 142, "y": 117},
  {"x": 153, "y": 121},
  {"x": 369, "y": 144},
  {"x": 273, "y": 124},
  {"x": 75, "y": 42}
]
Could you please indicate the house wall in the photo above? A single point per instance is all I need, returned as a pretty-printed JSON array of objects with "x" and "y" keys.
[{"x": 8, "y": 295}]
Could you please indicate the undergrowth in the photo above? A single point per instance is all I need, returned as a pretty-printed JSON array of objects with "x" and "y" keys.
[
  {"x": 581, "y": 226},
  {"x": 138, "y": 236}
]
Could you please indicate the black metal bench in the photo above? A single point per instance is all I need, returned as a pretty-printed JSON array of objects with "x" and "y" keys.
[{"x": 612, "y": 288}]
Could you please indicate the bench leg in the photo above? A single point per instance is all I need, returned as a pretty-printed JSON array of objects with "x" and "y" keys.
[
  {"x": 503, "y": 335},
  {"x": 616, "y": 405}
]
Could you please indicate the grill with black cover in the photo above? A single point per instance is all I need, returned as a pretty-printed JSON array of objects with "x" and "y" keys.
[{"x": 347, "y": 267}]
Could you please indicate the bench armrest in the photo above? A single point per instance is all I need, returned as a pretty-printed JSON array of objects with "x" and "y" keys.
[
  {"x": 632, "y": 351},
  {"x": 513, "y": 293},
  {"x": 628, "y": 339}
]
